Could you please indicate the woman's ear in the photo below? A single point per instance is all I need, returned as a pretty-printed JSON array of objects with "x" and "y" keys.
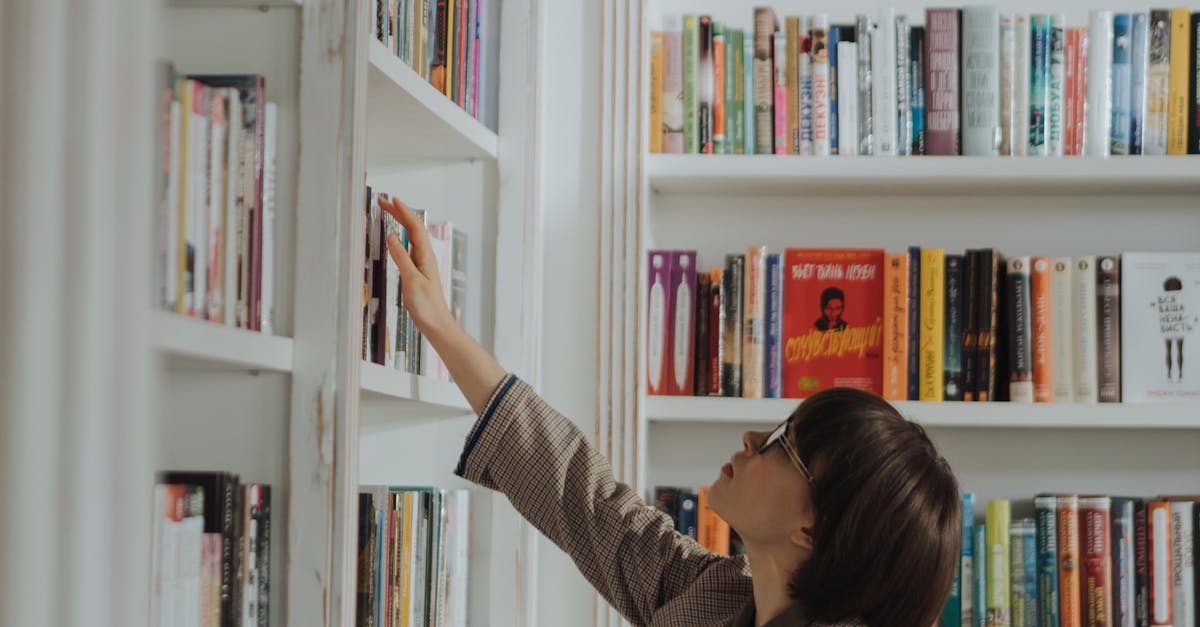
[{"x": 802, "y": 538}]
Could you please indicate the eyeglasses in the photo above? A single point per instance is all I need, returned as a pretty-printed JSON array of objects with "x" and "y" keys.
[{"x": 779, "y": 435}]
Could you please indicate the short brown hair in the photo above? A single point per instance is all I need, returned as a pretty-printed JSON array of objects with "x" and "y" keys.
[{"x": 887, "y": 536}]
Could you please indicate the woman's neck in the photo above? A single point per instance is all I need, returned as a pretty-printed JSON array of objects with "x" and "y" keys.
[{"x": 771, "y": 575}]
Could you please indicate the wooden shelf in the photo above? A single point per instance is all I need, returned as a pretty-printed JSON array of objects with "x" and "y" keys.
[
  {"x": 754, "y": 412},
  {"x": 429, "y": 397},
  {"x": 926, "y": 176},
  {"x": 408, "y": 119},
  {"x": 199, "y": 343}
]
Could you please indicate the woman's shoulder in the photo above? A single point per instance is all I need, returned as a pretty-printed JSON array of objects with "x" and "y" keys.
[{"x": 714, "y": 597}]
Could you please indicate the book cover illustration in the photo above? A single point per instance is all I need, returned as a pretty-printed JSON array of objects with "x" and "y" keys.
[
  {"x": 1160, "y": 324},
  {"x": 833, "y": 321}
]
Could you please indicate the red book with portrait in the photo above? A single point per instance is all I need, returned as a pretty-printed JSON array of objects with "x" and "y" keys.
[{"x": 833, "y": 320}]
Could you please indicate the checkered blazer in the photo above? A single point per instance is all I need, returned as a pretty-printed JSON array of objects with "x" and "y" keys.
[{"x": 627, "y": 549}]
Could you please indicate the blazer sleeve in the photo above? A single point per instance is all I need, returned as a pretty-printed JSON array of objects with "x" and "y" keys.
[{"x": 627, "y": 549}]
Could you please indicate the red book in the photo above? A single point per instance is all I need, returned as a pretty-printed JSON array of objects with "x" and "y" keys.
[
  {"x": 833, "y": 321},
  {"x": 1096, "y": 551}
]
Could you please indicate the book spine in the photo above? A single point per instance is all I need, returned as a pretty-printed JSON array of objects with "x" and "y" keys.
[
  {"x": 738, "y": 80},
  {"x": 1139, "y": 64},
  {"x": 1096, "y": 561},
  {"x": 941, "y": 79},
  {"x": 968, "y": 565},
  {"x": 1084, "y": 337},
  {"x": 1022, "y": 86},
  {"x": 988, "y": 319},
  {"x": 833, "y": 38},
  {"x": 932, "y": 329},
  {"x": 982, "y": 563},
  {"x": 883, "y": 82},
  {"x": 658, "y": 320},
  {"x": 796, "y": 67},
  {"x": 917, "y": 94},
  {"x": 683, "y": 322},
  {"x": 266, "y": 308},
  {"x": 1177, "y": 95},
  {"x": 1020, "y": 331},
  {"x": 704, "y": 82},
  {"x": 691, "y": 93},
  {"x": 1061, "y": 329},
  {"x": 895, "y": 327},
  {"x": 866, "y": 101},
  {"x": 1046, "y": 515},
  {"x": 1023, "y": 566},
  {"x": 952, "y": 610},
  {"x": 1123, "y": 565},
  {"x": 703, "y": 305},
  {"x": 822, "y": 112},
  {"x": 729, "y": 91},
  {"x": 1055, "y": 104},
  {"x": 980, "y": 81},
  {"x": 765, "y": 26},
  {"x": 656, "y": 92},
  {"x": 970, "y": 336},
  {"x": 774, "y": 320},
  {"x": 1158, "y": 82},
  {"x": 1193, "y": 108},
  {"x": 1081, "y": 91},
  {"x": 904, "y": 86},
  {"x": 1108, "y": 328},
  {"x": 847, "y": 98},
  {"x": 716, "y": 334},
  {"x": 1041, "y": 343},
  {"x": 1161, "y": 586},
  {"x": 718, "y": 88},
  {"x": 1039, "y": 75},
  {"x": 1098, "y": 122},
  {"x": 1122, "y": 76},
  {"x": 1070, "y": 69},
  {"x": 1069, "y": 562},
  {"x": 804, "y": 101},
  {"x": 952, "y": 339},
  {"x": 1008, "y": 68},
  {"x": 914, "y": 323},
  {"x": 999, "y": 571},
  {"x": 749, "y": 134},
  {"x": 754, "y": 321},
  {"x": 1183, "y": 573},
  {"x": 732, "y": 333},
  {"x": 671, "y": 101},
  {"x": 781, "y": 68},
  {"x": 1141, "y": 558}
]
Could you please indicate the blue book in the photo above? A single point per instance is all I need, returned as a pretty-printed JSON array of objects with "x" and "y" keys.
[
  {"x": 832, "y": 38},
  {"x": 748, "y": 90},
  {"x": 774, "y": 366},
  {"x": 981, "y": 567},
  {"x": 1139, "y": 65},
  {"x": 1039, "y": 83},
  {"x": 1046, "y": 513},
  {"x": 1121, "y": 85},
  {"x": 1029, "y": 592},
  {"x": 914, "y": 322},
  {"x": 966, "y": 570},
  {"x": 916, "y": 73},
  {"x": 1124, "y": 610}
]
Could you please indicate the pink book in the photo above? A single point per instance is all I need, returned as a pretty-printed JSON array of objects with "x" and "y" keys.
[{"x": 781, "y": 69}]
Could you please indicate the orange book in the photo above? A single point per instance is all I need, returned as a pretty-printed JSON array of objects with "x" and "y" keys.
[
  {"x": 1069, "y": 580},
  {"x": 895, "y": 326},
  {"x": 712, "y": 531},
  {"x": 718, "y": 103},
  {"x": 656, "y": 91},
  {"x": 1043, "y": 364}
]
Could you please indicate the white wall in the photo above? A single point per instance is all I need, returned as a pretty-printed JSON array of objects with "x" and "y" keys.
[{"x": 571, "y": 187}]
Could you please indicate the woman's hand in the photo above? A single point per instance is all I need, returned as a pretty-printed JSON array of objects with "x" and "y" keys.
[{"x": 419, "y": 279}]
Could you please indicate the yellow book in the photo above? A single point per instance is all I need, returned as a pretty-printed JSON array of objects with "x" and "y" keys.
[
  {"x": 932, "y": 334},
  {"x": 895, "y": 326},
  {"x": 998, "y": 521},
  {"x": 656, "y": 91},
  {"x": 451, "y": 41},
  {"x": 406, "y": 558},
  {"x": 185, "y": 114},
  {"x": 1177, "y": 98}
]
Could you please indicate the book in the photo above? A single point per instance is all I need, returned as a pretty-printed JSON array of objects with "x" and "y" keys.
[
  {"x": 914, "y": 322},
  {"x": 1020, "y": 331},
  {"x": 802, "y": 143},
  {"x": 822, "y": 115},
  {"x": 833, "y": 38},
  {"x": 883, "y": 82},
  {"x": 847, "y": 98},
  {"x": 783, "y": 67},
  {"x": 774, "y": 326},
  {"x": 1096, "y": 556},
  {"x": 656, "y": 91},
  {"x": 1161, "y": 584},
  {"x": 970, "y": 335},
  {"x": 1022, "y": 85},
  {"x": 765, "y": 25},
  {"x": 968, "y": 567},
  {"x": 1041, "y": 341},
  {"x": 1070, "y": 562},
  {"x": 895, "y": 326},
  {"x": 1160, "y": 325},
  {"x": 843, "y": 346},
  {"x": 795, "y": 57},
  {"x": 1055, "y": 119},
  {"x": 1139, "y": 64},
  {"x": 1183, "y": 573},
  {"x": 703, "y": 305},
  {"x": 863, "y": 27},
  {"x": 682, "y": 308},
  {"x": 1061, "y": 328},
  {"x": 1177, "y": 96},
  {"x": 691, "y": 86},
  {"x": 1158, "y": 82},
  {"x": 942, "y": 82},
  {"x": 716, "y": 332},
  {"x": 731, "y": 367},
  {"x": 753, "y": 322},
  {"x": 1124, "y": 611},
  {"x": 989, "y": 315},
  {"x": 917, "y": 92},
  {"x": 1098, "y": 122},
  {"x": 982, "y": 563},
  {"x": 718, "y": 88},
  {"x": 1108, "y": 326},
  {"x": 1122, "y": 85},
  {"x": 1046, "y": 518},
  {"x": 998, "y": 563},
  {"x": 980, "y": 81},
  {"x": 704, "y": 83},
  {"x": 904, "y": 86},
  {"x": 932, "y": 324},
  {"x": 1039, "y": 79},
  {"x": 1024, "y": 567},
  {"x": 1084, "y": 337},
  {"x": 953, "y": 317},
  {"x": 658, "y": 316}
]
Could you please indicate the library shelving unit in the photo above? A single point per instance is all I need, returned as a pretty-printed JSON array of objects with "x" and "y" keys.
[
  {"x": 1022, "y": 206},
  {"x": 300, "y": 409}
]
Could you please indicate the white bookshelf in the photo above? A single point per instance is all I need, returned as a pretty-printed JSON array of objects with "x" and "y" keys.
[
  {"x": 920, "y": 176},
  {"x": 758, "y": 413},
  {"x": 189, "y": 341},
  {"x": 416, "y": 395},
  {"x": 408, "y": 119},
  {"x": 239, "y": 4}
]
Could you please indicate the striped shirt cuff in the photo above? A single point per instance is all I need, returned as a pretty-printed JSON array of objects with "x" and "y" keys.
[{"x": 480, "y": 430}]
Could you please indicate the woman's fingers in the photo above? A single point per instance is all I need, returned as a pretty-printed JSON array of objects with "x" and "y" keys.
[
  {"x": 417, "y": 234},
  {"x": 408, "y": 270}
]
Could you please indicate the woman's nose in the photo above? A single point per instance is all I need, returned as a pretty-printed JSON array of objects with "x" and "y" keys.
[{"x": 749, "y": 440}]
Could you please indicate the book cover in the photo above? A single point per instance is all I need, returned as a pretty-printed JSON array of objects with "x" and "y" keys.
[
  {"x": 833, "y": 320},
  {"x": 942, "y": 82},
  {"x": 1139, "y": 65},
  {"x": 952, "y": 342},
  {"x": 1054, "y": 106},
  {"x": 682, "y": 307},
  {"x": 1083, "y": 285},
  {"x": 774, "y": 320},
  {"x": 765, "y": 25},
  {"x": 980, "y": 81},
  {"x": 999, "y": 569},
  {"x": 1123, "y": 563},
  {"x": 932, "y": 324},
  {"x": 691, "y": 85},
  {"x": 1096, "y": 554},
  {"x": 1161, "y": 584},
  {"x": 1158, "y": 82},
  {"x": 1098, "y": 121},
  {"x": 968, "y": 565},
  {"x": 1177, "y": 96},
  {"x": 731, "y": 375},
  {"x": 1039, "y": 78},
  {"x": 1069, "y": 562},
  {"x": 700, "y": 343},
  {"x": 716, "y": 333},
  {"x": 1160, "y": 326},
  {"x": 1061, "y": 329},
  {"x": 1122, "y": 84},
  {"x": 822, "y": 117},
  {"x": 658, "y": 317},
  {"x": 1108, "y": 326},
  {"x": 895, "y": 326},
  {"x": 1046, "y": 516},
  {"x": 754, "y": 305},
  {"x": 1020, "y": 331},
  {"x": 863, "y": 28},
  {"x": 1041, "y": 340}
]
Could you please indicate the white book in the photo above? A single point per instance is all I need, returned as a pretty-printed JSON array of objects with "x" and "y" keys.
[
  {"x": 1022, "y": 74},
  {"x": 1055, "y": 111},
  {"x": 883, "y": 85},
  {"x": 1160, "y": 327},
  {"x": 819, "y": 28},
  {"x": 214, "y": 221},
  {"x": 267, "y": 284},
  {"x": 1159, "y": 541},
  {"x": 1098, "y": 124},
  {"x": 1158, "y": 83},
  {"x": 1061, "y": 323},
  {"x": 198, "y": 206},
  {"x": 1008, "y": 58},
  {"x": 158, "y": 551},
  {"x": 458, "y": 519},
  {"x": 980, "y": 81},
  {"x": 391, "y": 308},
  {"x": 1183, "y": 558},
  {"x": 233, "y": 199},
  {"x": 904, "y": 122},
  {"x": 866, "y": 84},
  {"x": 804, "y": 83},
  {"x": 171, "y": 220},
  {"x": 847, "y": 99},
  {"x": 1084, "y": 338}
]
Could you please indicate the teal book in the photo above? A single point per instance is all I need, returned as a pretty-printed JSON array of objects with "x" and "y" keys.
[
  {"x": 966, "y": 586},
  {"x": 1046, "y": 513},
  {"x": 748, "y": 93},
  {"x": 1039, "y": 79},
  {"x": 981, "y": 568}
]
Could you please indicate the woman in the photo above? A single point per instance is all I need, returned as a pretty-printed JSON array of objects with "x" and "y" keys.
[{"x": 847, "y": 512}]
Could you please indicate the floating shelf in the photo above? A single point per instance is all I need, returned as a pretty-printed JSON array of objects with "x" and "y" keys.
[
  {"x": 421, "y": 397},
  {"x": 924, "y": 176},
  {"x": 408, "y": 119},
  {"x": 198, "y": 343},
  {"x": 688, "y": 409}
]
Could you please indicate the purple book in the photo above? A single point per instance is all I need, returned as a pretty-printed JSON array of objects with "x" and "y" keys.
[
  {"x": 942, "y": 123},
  {"x": 658, "y": 317},
  {"x": 682, "y": 327}
]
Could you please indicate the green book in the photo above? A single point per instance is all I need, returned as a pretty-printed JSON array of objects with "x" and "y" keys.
[
  {"x": 739, "y": 92},
  {"x": 691, "y": 68}
]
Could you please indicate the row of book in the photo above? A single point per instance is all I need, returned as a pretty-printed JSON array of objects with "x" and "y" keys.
[
  {"x": 971, "y": 81},
  {"x": 925, "y": 325},
  {"x": 447, "y": 42},
  {"x": 412, "y": 557},
  {"x": 211, "y": 551},
  {"x": 1081, "y": 561},
  {"x": 215, "y": 228},
  {"x": 389, "y": 336},
  {"x": 689, "y": 510}
]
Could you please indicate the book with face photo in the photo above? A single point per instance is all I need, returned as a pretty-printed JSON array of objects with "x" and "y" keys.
[{"x": 1160, "y": 330}]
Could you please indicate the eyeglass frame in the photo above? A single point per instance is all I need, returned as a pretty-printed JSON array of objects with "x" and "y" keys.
[{"x": 779, "y": 435}]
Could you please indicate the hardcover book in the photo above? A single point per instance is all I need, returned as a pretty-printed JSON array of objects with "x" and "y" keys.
[{"x": 1160, "y": 326}]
